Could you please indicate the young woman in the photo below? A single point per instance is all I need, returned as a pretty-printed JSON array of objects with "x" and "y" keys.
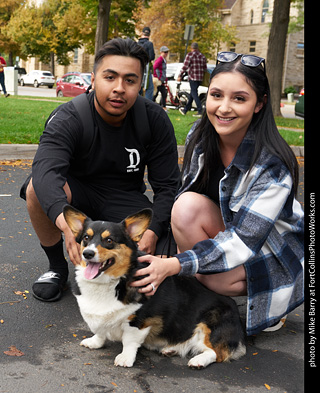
[{"x": 236, "y": 221}]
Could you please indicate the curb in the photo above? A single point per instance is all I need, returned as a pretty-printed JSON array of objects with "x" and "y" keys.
[{"x": 27, "y": 152}]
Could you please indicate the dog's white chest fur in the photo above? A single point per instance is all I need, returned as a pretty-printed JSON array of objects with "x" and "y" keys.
[{"x": 102, "y": 311}]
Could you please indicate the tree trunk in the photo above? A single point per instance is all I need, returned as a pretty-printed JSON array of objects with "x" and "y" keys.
[
  {"x": 52, "y": 63},
  {"x": 10, "y": 60},
  {"x": 276, "y": 49},
  {"x": 102, "y": 23}
]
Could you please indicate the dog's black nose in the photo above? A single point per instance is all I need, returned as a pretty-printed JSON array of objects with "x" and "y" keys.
[{"x": 88, "y": 254}]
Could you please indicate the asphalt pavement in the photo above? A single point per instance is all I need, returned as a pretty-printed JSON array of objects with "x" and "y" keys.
[{"x": 47, "y": 335}]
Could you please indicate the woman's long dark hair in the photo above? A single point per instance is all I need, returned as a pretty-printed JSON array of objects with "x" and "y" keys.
[{"x": 263, "y": 124}]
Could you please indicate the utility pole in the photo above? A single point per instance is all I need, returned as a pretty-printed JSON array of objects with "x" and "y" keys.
[{"x": 188, "y": 35}]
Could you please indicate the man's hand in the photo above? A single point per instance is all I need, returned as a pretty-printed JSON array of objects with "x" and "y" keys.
[
  {"x": 73, "y": 248},
  {"x": 148, "y": 242}
]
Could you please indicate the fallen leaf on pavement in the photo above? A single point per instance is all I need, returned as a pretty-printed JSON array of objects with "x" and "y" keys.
[{"x": 13, "y": 351}]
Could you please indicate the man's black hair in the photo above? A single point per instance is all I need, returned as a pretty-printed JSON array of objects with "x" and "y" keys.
[{"x": 122, "y": 47}]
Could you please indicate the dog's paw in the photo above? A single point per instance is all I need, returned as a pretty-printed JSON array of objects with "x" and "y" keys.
[
  {"x": 123, "y": 360},
  {"x": 93, "y": 342},
  {"x": 202, "y": 360},
  {"x": 169, "y": 352}
]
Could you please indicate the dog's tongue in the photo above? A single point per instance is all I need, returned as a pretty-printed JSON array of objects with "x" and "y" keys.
[{"x": 92, "y": 270}]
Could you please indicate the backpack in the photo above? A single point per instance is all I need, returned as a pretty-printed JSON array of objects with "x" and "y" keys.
[{"x": 81, "y": 104}]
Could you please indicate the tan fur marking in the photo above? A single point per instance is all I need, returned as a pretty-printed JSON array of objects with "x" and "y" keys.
[
  {"x": 75, "y": 220},
  {"x": 90, "y": 232},
  {"x": 156, "y": 324},
  {"x": 221, "y": 349},
  {"x": 206, "y": 331},
  {"x": 105, "y": 234},
  {"x": 122, "y": 256},
  {"x": 131, "y": 317},
  {"x": 82, "y": 263},
  {"x": 136, "y": 225},
  {"x": 222, "y": 352}
]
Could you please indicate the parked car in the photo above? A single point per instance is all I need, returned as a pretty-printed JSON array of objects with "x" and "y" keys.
[
  {"x": 72, "y": 84},
  {"x": 21, "y": 71},
  {"x": 38, "y": 78},
  {"x": 185, "y": 85},
  {"x": 299, "y": 107}
]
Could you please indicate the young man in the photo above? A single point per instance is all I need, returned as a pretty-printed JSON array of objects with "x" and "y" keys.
[
  {"x": 103, "y": 177},
  {"x": 196, "y": 64}
]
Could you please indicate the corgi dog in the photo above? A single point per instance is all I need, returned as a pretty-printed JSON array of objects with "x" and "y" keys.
[{"x": 182, "y": 317}]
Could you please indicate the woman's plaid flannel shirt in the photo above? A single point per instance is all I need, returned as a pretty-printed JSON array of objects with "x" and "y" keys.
[{"x": 264, "y": 232}]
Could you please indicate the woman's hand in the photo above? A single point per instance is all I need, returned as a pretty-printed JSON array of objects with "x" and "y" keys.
[{"x": 156, "y": 272}]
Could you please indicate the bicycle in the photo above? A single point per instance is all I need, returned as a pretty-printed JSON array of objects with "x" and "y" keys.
[{"x": 178, "y": 100}]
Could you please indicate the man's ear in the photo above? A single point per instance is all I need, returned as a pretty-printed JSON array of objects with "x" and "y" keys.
[
  {"x": 138, "y": 223},
  {"x": 75, "y": 219}
]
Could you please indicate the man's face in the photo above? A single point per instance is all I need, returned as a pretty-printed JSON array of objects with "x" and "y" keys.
[{"x": 116, "y": 83}]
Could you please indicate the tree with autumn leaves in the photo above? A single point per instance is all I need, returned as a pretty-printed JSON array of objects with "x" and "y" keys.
[
  {"x": 54, "y": 28},
  {"x": 7, "y": 43},
  {"x": 168, "y": 18}
]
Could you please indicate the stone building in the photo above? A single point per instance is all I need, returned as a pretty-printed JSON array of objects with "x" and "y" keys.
[{"x": 252, "y": 19}]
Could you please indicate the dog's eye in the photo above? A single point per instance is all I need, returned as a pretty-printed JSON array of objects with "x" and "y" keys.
[
  {"x": 109, "y": 240},
  {"x": 86, "y": 237}
]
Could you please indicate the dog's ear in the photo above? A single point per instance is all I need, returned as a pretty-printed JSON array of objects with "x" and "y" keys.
[
  {"x": 75, "y": 219},
  {"x": 138, "y": 223}
]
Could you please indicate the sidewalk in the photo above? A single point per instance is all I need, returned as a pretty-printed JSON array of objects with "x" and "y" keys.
[{"x": 27, "y": 152}]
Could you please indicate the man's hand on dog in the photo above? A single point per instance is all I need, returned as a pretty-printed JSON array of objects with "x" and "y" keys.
[
  {"x": 156, "y": 272},
  {"x": 148, "y": 242},
  {"x": 73, "y": 248}
]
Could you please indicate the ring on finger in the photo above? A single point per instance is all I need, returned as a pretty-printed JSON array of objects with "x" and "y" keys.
[{"x": 153, "y": 287}]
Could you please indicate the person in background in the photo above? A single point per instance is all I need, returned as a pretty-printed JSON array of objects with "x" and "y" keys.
[
  {"x": 148, "y": 47},
  {"x": 2, "y": 81},
  {"x": 160, "y": 72},
  {"x": 195, "y": 64}
]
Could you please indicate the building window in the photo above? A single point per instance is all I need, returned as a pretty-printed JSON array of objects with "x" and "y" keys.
[
  {"x": 232, "y": 47},
  {"x": 252, "y": 46},
  {"x": 265, "y": 9},
  {"x": 251, "y": 17},
  {"x": 75, "y": 56},
  {"x": 300, "y": 48}
]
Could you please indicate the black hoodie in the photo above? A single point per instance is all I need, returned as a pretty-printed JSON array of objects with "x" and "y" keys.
[{"x": 114, "y": 160}]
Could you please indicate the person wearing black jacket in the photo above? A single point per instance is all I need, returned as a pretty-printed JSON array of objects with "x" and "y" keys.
[
  {"x": 104, "y": 177},
  {"x": 148, "y": 47}
]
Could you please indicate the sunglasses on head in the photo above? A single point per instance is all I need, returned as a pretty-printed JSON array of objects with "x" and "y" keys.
[{"x": 247, "y": 60}]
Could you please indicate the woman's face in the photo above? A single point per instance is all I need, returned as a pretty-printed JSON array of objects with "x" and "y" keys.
[{"x": 231, "y": 103}]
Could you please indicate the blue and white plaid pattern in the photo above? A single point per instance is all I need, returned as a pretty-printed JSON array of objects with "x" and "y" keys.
[{"x": 264, "y": 232}]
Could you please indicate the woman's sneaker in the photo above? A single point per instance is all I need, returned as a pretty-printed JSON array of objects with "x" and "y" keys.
[{"x": 277, "y": 325}]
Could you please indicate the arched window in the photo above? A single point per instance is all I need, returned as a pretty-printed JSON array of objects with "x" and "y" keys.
[{"x": 265, "y": 9}]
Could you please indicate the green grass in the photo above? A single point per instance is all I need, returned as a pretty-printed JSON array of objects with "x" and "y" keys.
[
  {"x": 182, "y": 125},
  {"x": 22, "y": 120}
]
